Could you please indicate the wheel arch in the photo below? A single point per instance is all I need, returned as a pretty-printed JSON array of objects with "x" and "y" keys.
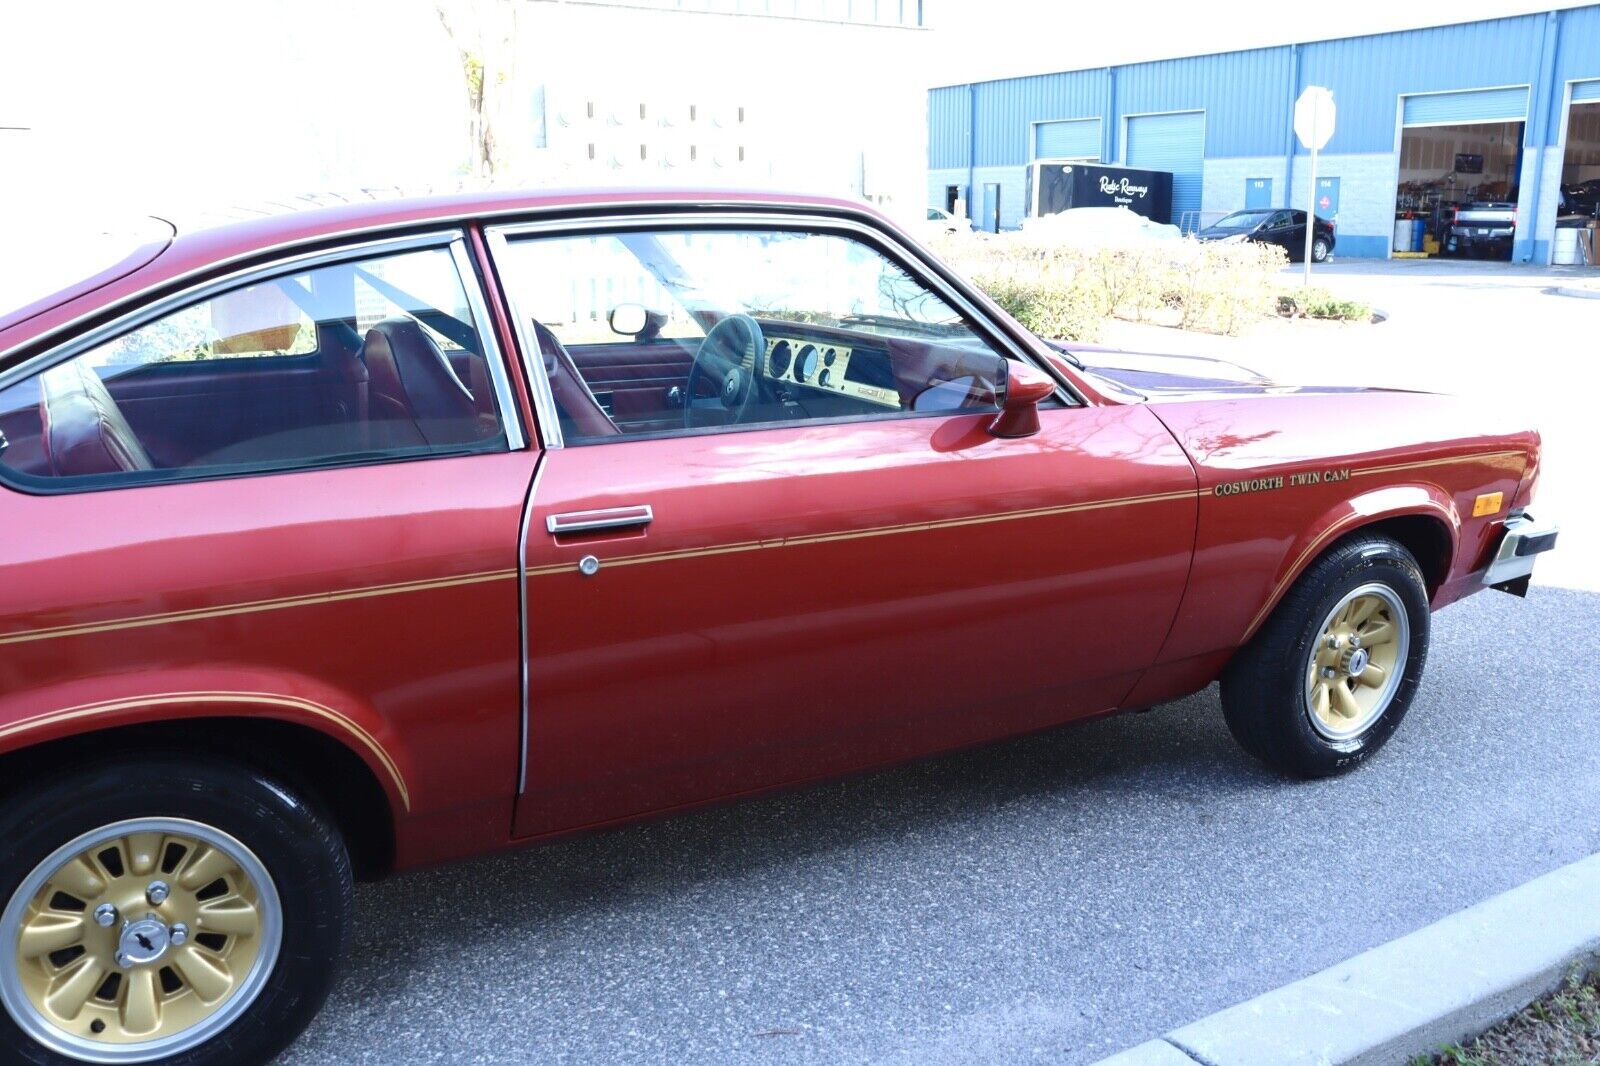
[
  {"x": 1421, "y": 518},
  {"x": 310, "y": 760}
]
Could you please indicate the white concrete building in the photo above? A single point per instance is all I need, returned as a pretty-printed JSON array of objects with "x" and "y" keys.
[{"x": 821, "y": 95}]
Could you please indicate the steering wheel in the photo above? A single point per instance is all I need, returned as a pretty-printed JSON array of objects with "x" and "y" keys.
[{"x": 731, "y": 356}]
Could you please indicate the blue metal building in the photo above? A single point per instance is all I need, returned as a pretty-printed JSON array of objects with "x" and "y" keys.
[{"x": 1222, "y": 124}]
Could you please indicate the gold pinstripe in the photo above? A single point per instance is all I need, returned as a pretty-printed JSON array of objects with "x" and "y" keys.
[
  {"x": 319, "y": 710},
  {"x": 1294, "y": 570},
  {"x": 876, "y": 531},
  {"x": 313, "y": 599},
  {"x": 139, "y": 621},
  {"x": 1423, "y": 464}
]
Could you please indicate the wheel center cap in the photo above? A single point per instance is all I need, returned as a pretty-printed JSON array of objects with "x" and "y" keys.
[
  {"x": 143, "y": 941},
  {"x": 1358, "y": 661}
]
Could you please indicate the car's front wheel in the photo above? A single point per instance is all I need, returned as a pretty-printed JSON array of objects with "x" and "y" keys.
[
  {"x": 157, "y": 910},
  {"x": 1332, "y": 671}
]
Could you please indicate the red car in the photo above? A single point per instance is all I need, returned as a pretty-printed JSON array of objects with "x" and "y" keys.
[{"x": 362, "y": 538}]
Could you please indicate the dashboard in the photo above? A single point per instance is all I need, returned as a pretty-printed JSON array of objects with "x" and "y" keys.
[{"x": 860, "y": 373}]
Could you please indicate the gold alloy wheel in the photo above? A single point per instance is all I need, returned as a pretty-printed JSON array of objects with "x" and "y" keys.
[
  {"x": 1357, "y": 661},
  {"x": 139, "y": 940}
]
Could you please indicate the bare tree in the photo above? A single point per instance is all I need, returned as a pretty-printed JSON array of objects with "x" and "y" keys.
[{"x": 484, "y": 33}]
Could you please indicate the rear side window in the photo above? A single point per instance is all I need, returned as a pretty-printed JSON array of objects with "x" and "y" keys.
[{"x": 358, "y": 361}]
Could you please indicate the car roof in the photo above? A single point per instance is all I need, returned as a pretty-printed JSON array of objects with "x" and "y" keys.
[{"x": 211, "y": 239}]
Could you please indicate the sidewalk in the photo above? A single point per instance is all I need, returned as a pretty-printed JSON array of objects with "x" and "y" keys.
[{"x": 1443, "y": 984}]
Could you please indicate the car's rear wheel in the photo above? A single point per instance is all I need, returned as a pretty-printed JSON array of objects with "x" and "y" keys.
[
  {"x": 1319, "y": 250},
  {"x": 1330, "y": 674},
  {"x": 163, "y": 911}
]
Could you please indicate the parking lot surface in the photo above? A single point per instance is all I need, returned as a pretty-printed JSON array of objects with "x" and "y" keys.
[
  {"x": 1050, "y": 899},
  {"x": 1056, "y": 897}
]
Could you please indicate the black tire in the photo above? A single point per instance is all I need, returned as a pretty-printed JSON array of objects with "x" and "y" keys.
[
  {"x": 1264, "y": 688},
  {"x": 297, "y": 844},
  {"x": 1319, "y": 250}
]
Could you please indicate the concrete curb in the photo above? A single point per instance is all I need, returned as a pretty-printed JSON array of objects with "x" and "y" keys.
[
  {"x": 1580, "y": 293},
  {"x": 1443, "y": 984}
]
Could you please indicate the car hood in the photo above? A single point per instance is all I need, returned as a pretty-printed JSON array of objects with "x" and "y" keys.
[{"x": 1168, "y": 378}]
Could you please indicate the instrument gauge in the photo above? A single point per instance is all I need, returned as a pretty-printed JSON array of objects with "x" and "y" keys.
[
  {"x": 829, "y": 357},
  {"x": 805, "y": 363},
  {"x": 780, "y": 358}
]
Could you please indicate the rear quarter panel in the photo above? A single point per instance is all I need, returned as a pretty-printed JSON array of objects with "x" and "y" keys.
[{"x": 1284, "y": 475}]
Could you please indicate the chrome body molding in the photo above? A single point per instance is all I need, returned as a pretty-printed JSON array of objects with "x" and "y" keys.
[
  {"x": 522, "y": 621},
  {"x": 510, "y": 419}
]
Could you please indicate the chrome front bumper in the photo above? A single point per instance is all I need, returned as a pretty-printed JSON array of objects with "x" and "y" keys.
[{"x": 1525, "y": 539}]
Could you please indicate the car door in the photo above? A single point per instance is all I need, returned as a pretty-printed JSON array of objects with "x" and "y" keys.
[
  {"x": 846, "y": 573},
  {"x": 1294, "y": 233},
  {"x": 1272, "y": 230}
]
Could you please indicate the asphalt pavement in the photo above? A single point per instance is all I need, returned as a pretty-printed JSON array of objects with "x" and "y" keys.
[
  {"x": 1052, "y": 898},
  {"x": 1057, "y": 897}
]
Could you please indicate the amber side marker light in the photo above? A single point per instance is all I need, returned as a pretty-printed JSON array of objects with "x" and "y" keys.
[{"x": 1488, "y": 503}]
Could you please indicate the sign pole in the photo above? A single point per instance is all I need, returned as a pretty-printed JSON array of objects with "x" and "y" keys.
[{"x": 1311, "y": 201}]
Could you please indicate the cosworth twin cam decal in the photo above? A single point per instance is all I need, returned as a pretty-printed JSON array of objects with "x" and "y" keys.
[{"x": 1278, "y": 481}]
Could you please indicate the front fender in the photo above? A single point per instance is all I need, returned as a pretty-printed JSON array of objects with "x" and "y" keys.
[
  {"x": 1350, "y": 515},
  {"x": 89, "y": 705}
]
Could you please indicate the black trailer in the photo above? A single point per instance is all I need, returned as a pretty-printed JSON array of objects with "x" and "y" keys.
[{"x": 1054, "y": 187}]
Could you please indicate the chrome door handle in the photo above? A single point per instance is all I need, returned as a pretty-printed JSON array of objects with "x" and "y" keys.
[{"x": 606, "y": 518}]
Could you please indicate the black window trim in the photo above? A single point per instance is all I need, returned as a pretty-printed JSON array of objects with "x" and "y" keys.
[{"x": 452, "y": 239}]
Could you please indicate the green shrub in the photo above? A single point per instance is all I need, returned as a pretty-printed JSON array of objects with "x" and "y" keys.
[
  {"x": 1053, "y": 300},
  {"x": 1320, "y": 303},
  {"x": 1068, "y": 292}
]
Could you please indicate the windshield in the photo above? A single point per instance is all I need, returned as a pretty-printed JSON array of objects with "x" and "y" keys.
[{"x": 1243, "y": 220}]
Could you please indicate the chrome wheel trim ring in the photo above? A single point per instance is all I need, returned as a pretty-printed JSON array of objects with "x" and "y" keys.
[
  {"x": 1396, "y": 611},
  {"x": 40, "y": 1029}
]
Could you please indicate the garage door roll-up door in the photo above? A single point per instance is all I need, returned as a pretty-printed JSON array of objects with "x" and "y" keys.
[
  {"x": 1175, "y": 143},
  {"x": 1584, "y": 92},
  {"x": 1077, "y": 139},
  {"x": 1483, "y": 105}
]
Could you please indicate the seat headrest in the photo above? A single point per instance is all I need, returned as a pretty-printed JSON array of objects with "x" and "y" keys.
[
  {"x": 82, "y": 429},
  {"x": 411, "y": 378}
]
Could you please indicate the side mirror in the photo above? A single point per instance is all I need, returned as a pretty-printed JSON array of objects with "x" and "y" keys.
[
  {"x": 628, "y": 319},
  {"x": 1025, "y": 388}
]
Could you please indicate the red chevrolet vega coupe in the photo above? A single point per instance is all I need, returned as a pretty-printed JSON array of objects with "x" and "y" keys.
[{"x": 363, "y": 538}]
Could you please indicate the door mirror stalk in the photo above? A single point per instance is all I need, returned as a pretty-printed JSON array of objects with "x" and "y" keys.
[{"x": 1025, "y": 388}]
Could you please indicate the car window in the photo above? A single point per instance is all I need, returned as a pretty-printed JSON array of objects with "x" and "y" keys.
[
  {"x": 744, "y": 328},
  {"x": 362, "y": 360},
  {"x": 1245, "y": 219},
  {"x": 935, "y": 215}
]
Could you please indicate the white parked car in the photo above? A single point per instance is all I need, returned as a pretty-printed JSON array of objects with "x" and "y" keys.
[
  {"x": 1098, "y": 226},
  {"x": 941, "y": 221}
]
